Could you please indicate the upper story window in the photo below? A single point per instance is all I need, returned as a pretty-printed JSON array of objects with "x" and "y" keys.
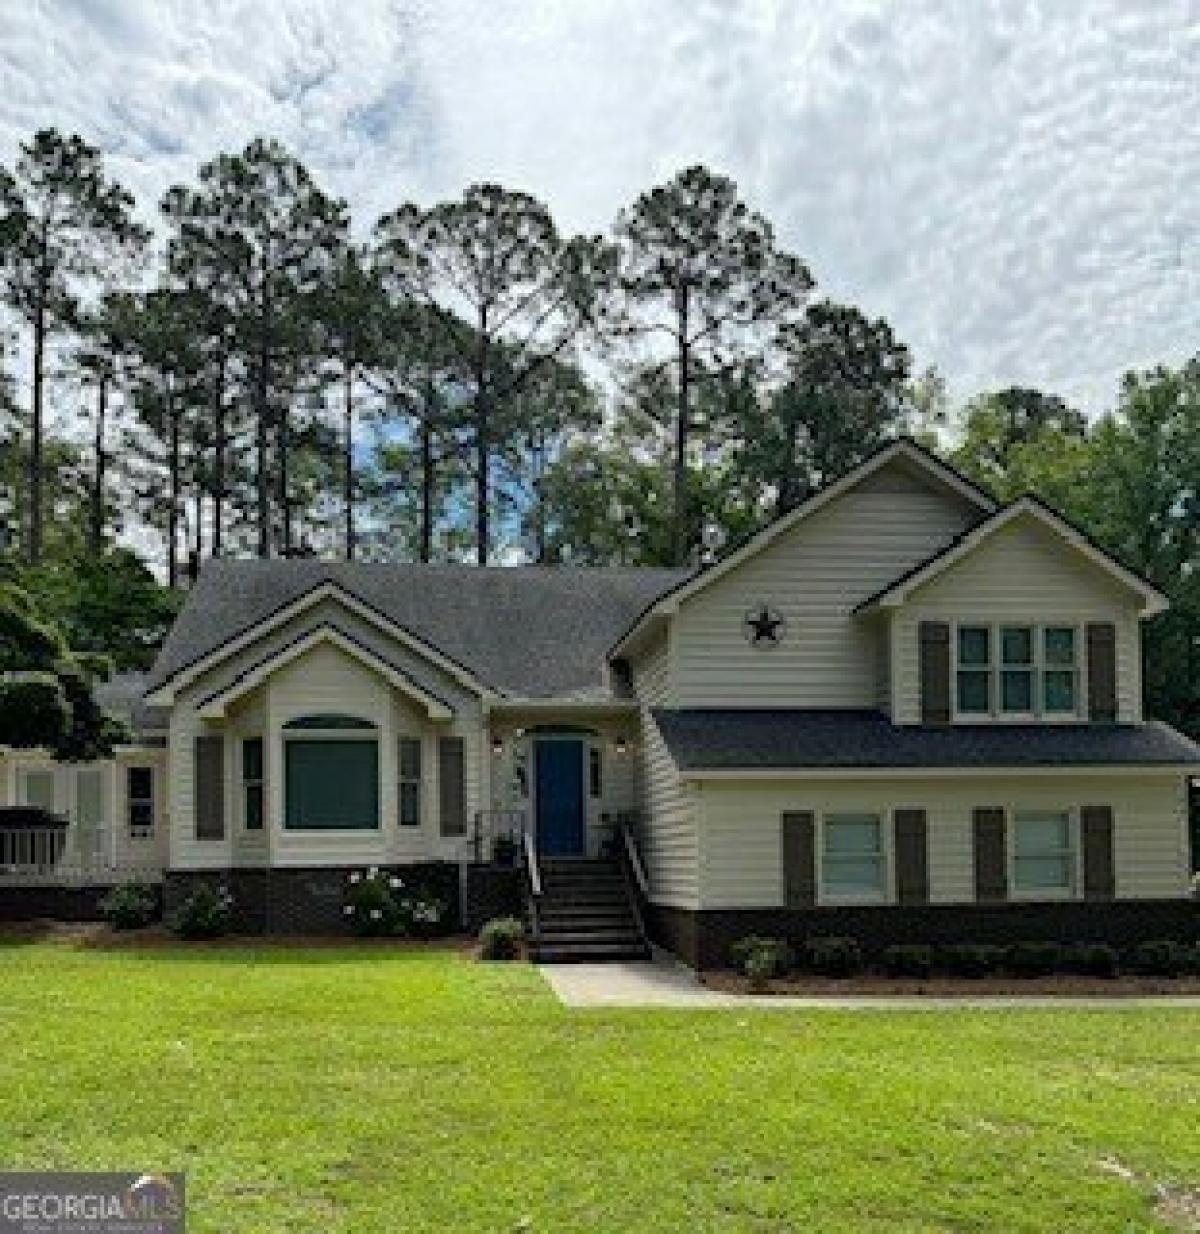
[{"x": 1016, "y": 671}]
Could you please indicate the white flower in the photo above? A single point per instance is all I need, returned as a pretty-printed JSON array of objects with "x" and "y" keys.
[
  {"x": 348, "y": 911},
  {"x": 1196, "y": 885},
  {"x": 373, "y": 872},
  {"x": 376, "y": 914},
  {"x": 396, "y": 883},
  {"x": 356, "y": 877}
]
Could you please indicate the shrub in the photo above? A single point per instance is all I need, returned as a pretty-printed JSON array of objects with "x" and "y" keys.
[
  {"x": 423, "y": 914},
  {"x": 1034, "y": 959},
  {"x": 831, "y": 956},
  {"x": 1092, "y": 960},
  {"x": 908, "y": 960},
  {"x": 501, "y": 938},
  {"x": 970, "y": 959},
  {"x": 371, "y": 907},
  {"x": 771, "y": 956},
  {"x": 1161, "y": 957},
  {"x": 206, "y": 913},
  {"x": 131, "y": 906}
]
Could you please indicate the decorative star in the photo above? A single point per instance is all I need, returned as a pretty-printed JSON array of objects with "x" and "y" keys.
[{"x": 763, "y": 626}]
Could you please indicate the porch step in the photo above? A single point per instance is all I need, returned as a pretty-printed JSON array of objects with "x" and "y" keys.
[{"x": 585, "y": 913}]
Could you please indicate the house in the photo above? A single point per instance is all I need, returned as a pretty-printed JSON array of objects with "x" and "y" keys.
[{"x": 901, "y": 712}]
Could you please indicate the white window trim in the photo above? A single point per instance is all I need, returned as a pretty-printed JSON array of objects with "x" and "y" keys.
[
  {"x": 1075, "y": 891},
  {"x": 1039, "y": 715},
  {"x": 887, "y": 827},
  {"x": 374, "y": 733}
]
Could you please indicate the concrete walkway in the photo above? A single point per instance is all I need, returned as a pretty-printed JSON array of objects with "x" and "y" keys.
[{"x": 664, "y": 983}]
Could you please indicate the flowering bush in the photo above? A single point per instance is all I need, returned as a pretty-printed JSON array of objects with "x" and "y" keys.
[
  {"x": 423, "y": 914},
  {"x": 372, "y": 906},
  {"x": 206, "y": 913}
]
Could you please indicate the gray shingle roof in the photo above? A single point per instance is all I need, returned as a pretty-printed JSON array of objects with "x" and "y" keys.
[
  {"x": 727, "y": 739},
  {"x": 527, "y": 630},
  {"x": 121, "y": 696}
]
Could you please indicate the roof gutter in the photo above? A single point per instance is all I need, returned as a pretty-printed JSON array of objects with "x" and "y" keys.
[{"x": 976, "y": 771}]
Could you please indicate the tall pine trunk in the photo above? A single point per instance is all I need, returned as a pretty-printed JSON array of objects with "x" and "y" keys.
[
  {"x": 96, "y": 529},
  {"x": 220, "y": 445},
  {"x": 34, "y": 548},
  {"x": 679, "y": 510},
  {"x": 428, "y": 478},
  {"x": 483, "y": 449},
  {"x": 348, "y": 478},
  {"x": 262, "y": 449},
  {"x": 175, "y": 484}
]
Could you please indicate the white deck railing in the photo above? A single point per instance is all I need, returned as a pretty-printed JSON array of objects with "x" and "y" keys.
[{"x": 70, "y": 856}]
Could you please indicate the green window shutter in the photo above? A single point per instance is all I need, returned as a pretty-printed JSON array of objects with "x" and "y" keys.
[
  {"x": 912, "y": 857},
  {"x": 210, "y": 787},
  {"x": 991, "y": 860},
  {"x": 1102, "y": 671},
  {"x": 935, "y": 672},
  {"x": 331, "y": 785},
  {"x": 1099, "y": 864},
  {"x": 799, "y": 859},
  {"x": 452, "y": 786}
]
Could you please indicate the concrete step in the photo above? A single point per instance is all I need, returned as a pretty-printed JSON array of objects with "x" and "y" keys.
[{"x": 588, "y": 953}]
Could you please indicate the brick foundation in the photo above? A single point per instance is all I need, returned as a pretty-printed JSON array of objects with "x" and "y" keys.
[
  {"x": 493, "y": 891},
  {"x": 702, "y": 938},
  {"x": 53, "y": 903}
]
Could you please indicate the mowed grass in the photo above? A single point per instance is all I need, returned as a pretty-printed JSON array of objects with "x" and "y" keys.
[{"x": 370, "y": 1089}]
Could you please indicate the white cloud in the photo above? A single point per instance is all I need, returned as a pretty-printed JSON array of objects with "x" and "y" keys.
[{"x": 1011, "y": 183}]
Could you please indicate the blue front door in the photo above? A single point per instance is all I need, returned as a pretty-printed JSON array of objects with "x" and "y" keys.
[{"x": 559, "y": 787}]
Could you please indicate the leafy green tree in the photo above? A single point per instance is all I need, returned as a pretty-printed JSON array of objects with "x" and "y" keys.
[
  {"x": 843, "y": 393},
  {"x": 701, "y": 283},
  {"x": 512, "y": 296},
  {"x": 62, "y": 224},
  {"x": 45, "y": 690},
  {"x": 258, "y": 235}
]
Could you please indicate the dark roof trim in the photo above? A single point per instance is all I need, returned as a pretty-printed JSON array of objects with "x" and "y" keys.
[{"x": 984, "y": 499}]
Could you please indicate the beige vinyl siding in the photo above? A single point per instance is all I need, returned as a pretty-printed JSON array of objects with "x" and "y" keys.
[
  {"x": 1024, "y": 574},
  {"x": 813, "y": 575},
  {"x": 740, "y": 864},
  {"x": 668, "y": 829}
]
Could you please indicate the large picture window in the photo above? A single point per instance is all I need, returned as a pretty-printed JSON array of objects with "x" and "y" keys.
[
  {"x": 331, "y": 775},
  {"x": 853, "y": 859},
  {"x": 1043, "y": 853}
]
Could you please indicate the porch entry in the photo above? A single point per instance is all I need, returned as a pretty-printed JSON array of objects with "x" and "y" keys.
[{"x": 558, "y": 796}]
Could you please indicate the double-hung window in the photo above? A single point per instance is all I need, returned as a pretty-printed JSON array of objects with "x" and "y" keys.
[
  {"x": 139, "y": 796},
  {"x": 1060, "y": 670},
  {"x": 853, "y": 857},
  {"x": 410, "y": 782},
  {"x": 252, "y": 783},
  {"x": 1016, "y": 669},
  {"x": 974, "y": 683},
  {"x": 1043, "y": 861}
]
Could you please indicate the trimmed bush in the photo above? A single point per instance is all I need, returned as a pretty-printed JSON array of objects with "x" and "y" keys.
[
  {"x": 131, "y": 906},
  {"x": 206, "y": 913},
  {"x": 501, "y": 938},
  {"x": 1034, "y": 959},
  {"x": 833, "y": 956},
  {"x": 970, "y": 959},
  {"x": 908, "y": 960},
  {"x": 772, "y": 957},
  {"x": 1161, "y": 957},
  {"x": 1092, "y": 960},
  {"x": 372, "y": 906}
]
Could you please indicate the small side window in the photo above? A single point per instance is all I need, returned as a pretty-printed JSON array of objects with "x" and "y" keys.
[
  {"x": 410, "y": 782},
  {"x": 139, "y": 785},
  {"x": 595, "y": 772},
  {"x": 252, "y": 783}
]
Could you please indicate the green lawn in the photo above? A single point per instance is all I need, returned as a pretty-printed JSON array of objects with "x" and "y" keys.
[{"x": 366, "y": 1089}]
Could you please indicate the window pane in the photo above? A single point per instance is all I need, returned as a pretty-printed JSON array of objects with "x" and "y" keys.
[
  {"x": 595, "y": 779},
  {"x": 1060, "y": 645},
  {"x": 853, "y": 875},
  {"x": 1043, "y": 873},
  {"x": 410, "y": 804},
  {"x": 410, "y": 758},
  {"x": 1016, "y": 643},
  {"x": 974, "y": 645},
  {"x": 141, "y": 782},
  {"x": 39, "y": 789},
  {"x": 141, "y": 814},
  {"x": 1038, "y": 834},
  {"x": 1016, "y": 690},
  {"x": 1060, "y": 690},
  {"x": 252, "y": 759},
  {"x": 89, "y": 799},
  {"x": 254, "y": 807},
  {"x": 974, "y": 691},
  {"x": 851, "y": 834},
  {"x": 332, "y": 784}
]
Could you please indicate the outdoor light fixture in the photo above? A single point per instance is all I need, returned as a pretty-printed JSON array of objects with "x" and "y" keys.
[
  {"x": 497, "y": 746},
  {"x": 621, "y": 746}
]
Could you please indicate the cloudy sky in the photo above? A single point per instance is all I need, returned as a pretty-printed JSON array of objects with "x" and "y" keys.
[{"x": 1013, "y": 184}]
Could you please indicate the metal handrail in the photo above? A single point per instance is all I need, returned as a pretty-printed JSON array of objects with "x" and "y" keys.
[
  {"x": 635, "y": 860},
  {"x": 531, "y": 864}
]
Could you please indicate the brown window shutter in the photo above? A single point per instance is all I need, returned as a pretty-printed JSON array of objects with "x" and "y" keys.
[
  {"x": 1102, "y": 671},
  {"x": 912, "y": 857},
  {"x": 799, "y": 859},
  {"x": 210, "y": 787},
  {"x": 935, "y": 672},
  {"x": 452, "y": 786},
  {"x": 1099, "y": 865},
  {"x": 991, "y": 866}
]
